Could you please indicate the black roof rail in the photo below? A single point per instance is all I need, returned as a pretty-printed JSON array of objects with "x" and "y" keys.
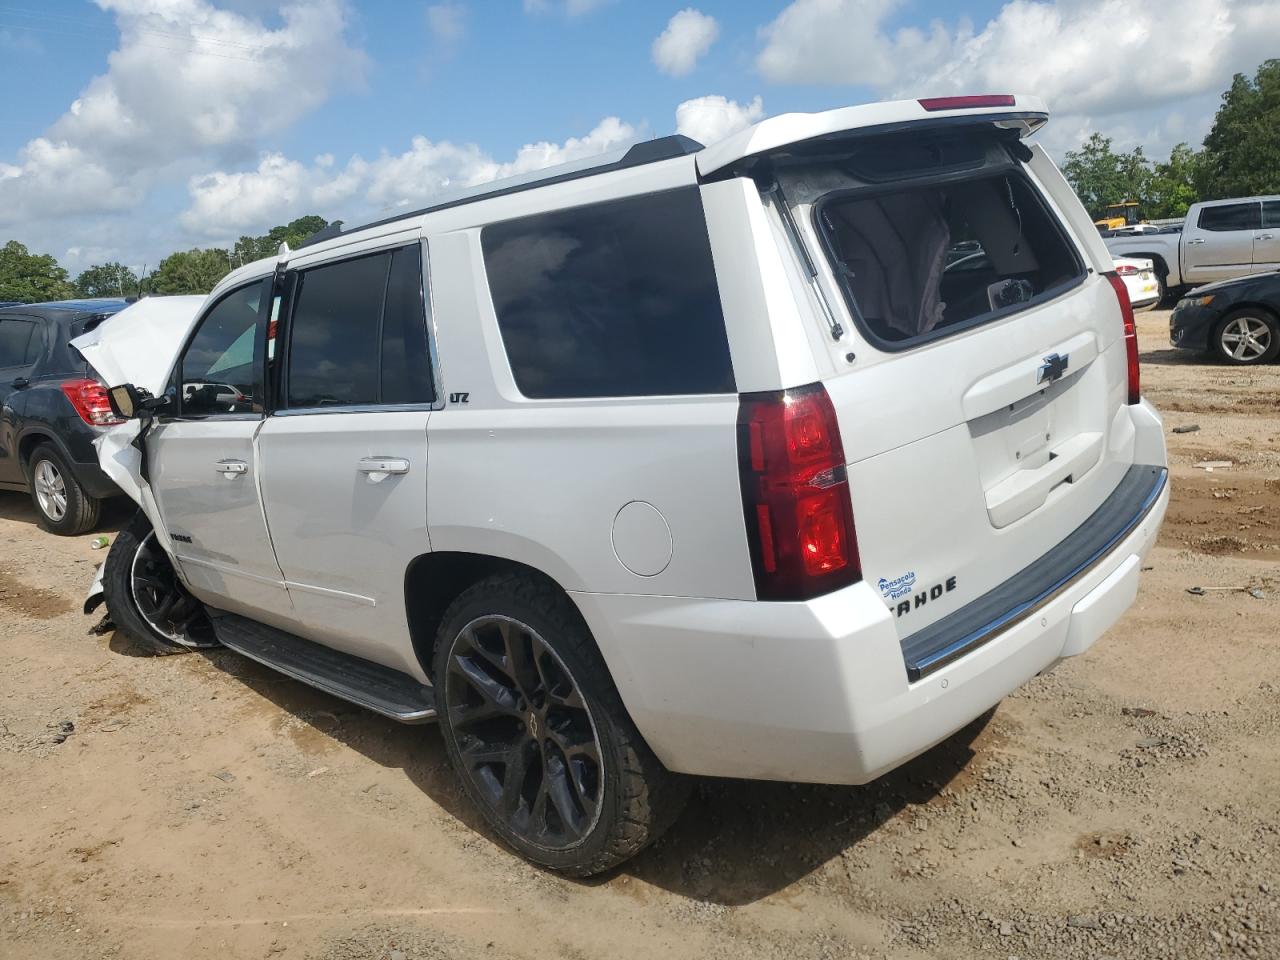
[{"x": 650, "y": 151}]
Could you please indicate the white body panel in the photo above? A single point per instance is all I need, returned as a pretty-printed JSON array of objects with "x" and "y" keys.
[
  {"x": 226, "y": 558},
  {"x": 345, "y": 532},
  {"x": 816, "y": 691},
  {"x": 960, "y": 465}
]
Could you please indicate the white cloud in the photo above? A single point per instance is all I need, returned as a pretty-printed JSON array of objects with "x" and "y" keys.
[
  {"x": 708, "y": 119},
  {"x": 186, "y": 80},
  {"x": 689, "y": 35},
  {"x": 447, "y": 22},
  {"x": 223, "y": 205},
  {"x": 1087, "y": 58}
]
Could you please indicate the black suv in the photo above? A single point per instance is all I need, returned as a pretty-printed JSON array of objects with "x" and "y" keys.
[{"x": 51, "y": 409}]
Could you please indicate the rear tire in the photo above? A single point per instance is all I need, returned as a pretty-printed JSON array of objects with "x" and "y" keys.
[
  {"x": 146, "y": 600},
  {"x": 537, "y": 733},
  {"x": 1247, "y": 337},
  {"x": 62, "y": 506}
]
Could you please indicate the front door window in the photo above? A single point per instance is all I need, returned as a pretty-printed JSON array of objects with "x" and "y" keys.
[{"x": 220, "y": 371}]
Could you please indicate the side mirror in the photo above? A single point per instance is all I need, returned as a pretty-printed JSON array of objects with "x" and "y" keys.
[{"x": 128, "y": 401}]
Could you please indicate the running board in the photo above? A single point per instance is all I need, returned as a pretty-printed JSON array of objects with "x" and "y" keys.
[{"x": 362, "y": 682}]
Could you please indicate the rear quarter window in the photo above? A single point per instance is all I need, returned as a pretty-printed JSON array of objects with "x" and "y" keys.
[{"x": 610, "y": 299}]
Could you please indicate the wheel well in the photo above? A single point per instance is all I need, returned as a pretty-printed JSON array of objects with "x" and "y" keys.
[
  {"x": 28, "y": 444},
  {"x": 434, "y": 580},
  {"x": 1157, "y": 261},
  {"x": 1254, "y": 307}
]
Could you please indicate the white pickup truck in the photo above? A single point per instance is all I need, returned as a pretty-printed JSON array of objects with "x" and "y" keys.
[{"x": 1220, "y": 240}]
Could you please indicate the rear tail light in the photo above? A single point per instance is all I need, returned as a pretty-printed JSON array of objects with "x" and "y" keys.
[
  {"x": 968, "y": 103},
  {"x": 795, "y": 494},
  {"x": 89, "y": 397},
  {"x": 1130, "y": 336},
  {"x": 1126, "y": 270}
]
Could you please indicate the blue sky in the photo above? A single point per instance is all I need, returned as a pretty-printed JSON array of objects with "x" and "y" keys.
[{"x": 141, "y": 126}]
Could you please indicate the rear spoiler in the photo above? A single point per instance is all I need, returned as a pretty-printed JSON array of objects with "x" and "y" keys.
[{"x": 1018, "y": 113}]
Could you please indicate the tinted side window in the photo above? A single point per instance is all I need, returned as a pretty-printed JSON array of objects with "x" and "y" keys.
[
  {"x": 406, "y": 364},
  {"x": 16, "y": 337},
  {"x": 1271, "y": 213},
  {"x": 333, "y": 343},
  {"x": 1231, "y": 216},
  {"x": 219, "y": 371},
  {"x": 611, "y": 299}
]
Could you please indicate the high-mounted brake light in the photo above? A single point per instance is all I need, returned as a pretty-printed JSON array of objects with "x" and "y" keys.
[
  {"x": 795, "y": 494},
  {"x": 1130, "y": 336},
  {"x": 90, "y": 400},
  {"x": 969, "y": 103}
]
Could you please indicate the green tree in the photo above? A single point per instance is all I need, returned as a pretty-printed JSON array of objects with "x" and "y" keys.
[
  {"x": 107, "y": 280},
  {"x": 1242, "y": 150},
  {"x": 248, "y": 249},
  {"x": 1172, "y": 188},
  {"x": 189, "y": 271},
  {"x": 30, "y": 277},
  {"x": 1101, "y": 176}
]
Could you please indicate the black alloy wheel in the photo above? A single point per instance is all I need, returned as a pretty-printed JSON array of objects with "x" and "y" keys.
[
  {"x": 537, "y": 733},
  {"x": 524, "y": 732},
  {"x": 163, "y": 602},
  {"x": 145, "y": 598}
]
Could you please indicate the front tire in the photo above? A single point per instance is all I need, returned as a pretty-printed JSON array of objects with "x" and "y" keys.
[
  {"x": 62, "y": 506},
  {"x": 1247, "y": 337},
  {"x": 538, "y": 734},
  {"x": 146, "y": 600}
]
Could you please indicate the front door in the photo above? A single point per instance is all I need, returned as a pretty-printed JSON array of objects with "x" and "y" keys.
[
  {"x": 344, "y": 458},
  {"x": 203, "y": 467},
  {"x": 21, "y": 340},
  {"x": 1219, "y": 245}
]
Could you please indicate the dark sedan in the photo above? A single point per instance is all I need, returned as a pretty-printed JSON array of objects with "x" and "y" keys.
[
  {"x": 51, "y": 410},
  {"x": 1237, "y": 321}
]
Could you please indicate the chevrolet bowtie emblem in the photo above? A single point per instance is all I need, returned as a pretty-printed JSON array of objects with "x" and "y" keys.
[{"x": 1054, "y": 366}]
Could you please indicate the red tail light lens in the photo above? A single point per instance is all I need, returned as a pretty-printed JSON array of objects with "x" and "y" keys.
[
  {"x": 1130, "y": 337},
  {"x": 89, "y": 397},
  {"x": 970, "y": 102},
  {"x": 795, "y": 494}
]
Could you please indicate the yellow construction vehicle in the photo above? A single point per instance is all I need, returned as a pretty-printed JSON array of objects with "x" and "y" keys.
[{"x": 1117, "y": 215}]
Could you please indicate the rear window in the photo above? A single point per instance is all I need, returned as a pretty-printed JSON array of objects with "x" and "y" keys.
[
  {"x": 610, "y": 299},
  {"x": 1231, "y": 216},
  {"x": 921, "y": 262}
]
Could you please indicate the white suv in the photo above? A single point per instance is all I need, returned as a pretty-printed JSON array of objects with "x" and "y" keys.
[{"x": 783, "y": 458}]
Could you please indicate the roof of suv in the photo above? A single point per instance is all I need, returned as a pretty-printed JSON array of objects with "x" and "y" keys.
[{"x": 1020, "y": 112}]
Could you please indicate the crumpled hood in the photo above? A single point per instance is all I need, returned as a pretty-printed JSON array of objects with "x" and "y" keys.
[{"x": 138, "y": 345}]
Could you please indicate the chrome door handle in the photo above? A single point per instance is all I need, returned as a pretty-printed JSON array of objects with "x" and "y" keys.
[
  {"x": 382, "y": 465},
  {"x": 231, "y": 468},
  {"x": 1265, "y": 236},
  {"x": 1196, "y": 240}
]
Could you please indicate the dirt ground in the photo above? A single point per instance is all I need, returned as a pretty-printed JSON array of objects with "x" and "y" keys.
[{"x": 1124, "y": 806}]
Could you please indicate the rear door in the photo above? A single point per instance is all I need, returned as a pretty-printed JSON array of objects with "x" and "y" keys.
[
  {"x": 1218, "y": 243},
  {"x": 344, "y": 457},
  {"x": 1266, "y": 243},
  {"x": 21, "y": 341},
  {"x": 981, "y": 376}
]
